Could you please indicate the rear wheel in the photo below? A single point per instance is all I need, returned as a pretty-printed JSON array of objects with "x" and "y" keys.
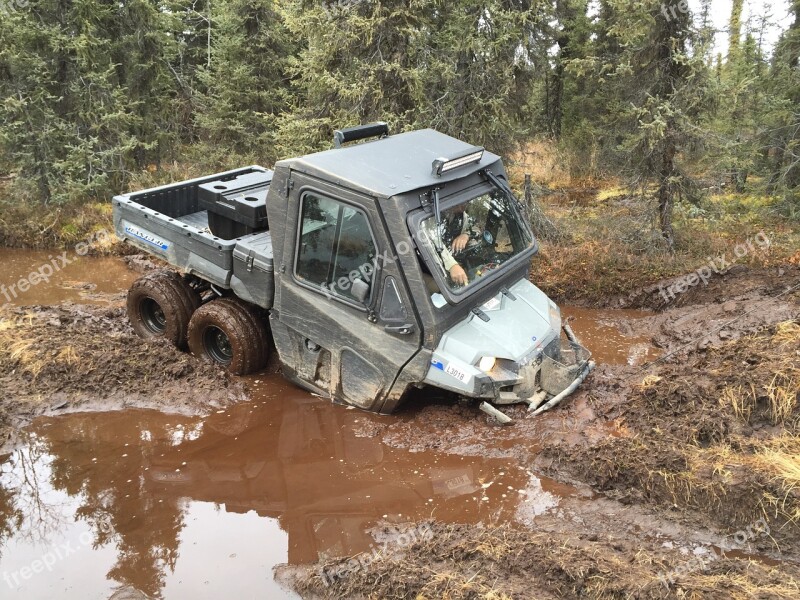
[
  {"x": 160, "y": 305},
  {"x": 230, "y": 334}
]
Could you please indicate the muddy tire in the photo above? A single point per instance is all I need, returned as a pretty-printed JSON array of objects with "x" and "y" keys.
[
  {"x": 231, "y": 334},
  {"x": 161, "y": 304},
  {"x": 190, "y": 298}
]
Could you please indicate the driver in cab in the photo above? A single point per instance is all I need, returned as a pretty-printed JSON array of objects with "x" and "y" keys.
[{"x": 456, "y": 235}]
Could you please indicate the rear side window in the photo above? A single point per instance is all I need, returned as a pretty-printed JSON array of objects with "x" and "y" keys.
[{"x": 336, "y": 246}]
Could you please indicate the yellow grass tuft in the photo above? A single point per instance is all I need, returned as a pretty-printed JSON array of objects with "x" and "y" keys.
[
  {"x": 742, "y": 403},
  {"x": 68, "y": 355},
  {"x": 649, "y": 381},
  {"x": 22, "y": 353},
  {"x": 786, "y": 333},
  {"x": 786, "y": 466},
  {"x": 782, "y": 393}
]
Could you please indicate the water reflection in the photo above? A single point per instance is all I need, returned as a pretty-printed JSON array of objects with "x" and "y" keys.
[{"x": 142, "y": 484}]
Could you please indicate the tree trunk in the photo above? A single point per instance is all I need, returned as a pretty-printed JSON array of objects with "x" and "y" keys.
[
  {"x": 666, "y": 191},
  {"x": 543, "y": 228}
]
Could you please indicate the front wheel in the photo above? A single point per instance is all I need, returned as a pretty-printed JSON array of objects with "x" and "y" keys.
[{"x": 229, "y": 333}]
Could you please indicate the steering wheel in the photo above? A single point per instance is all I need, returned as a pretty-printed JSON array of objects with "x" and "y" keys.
[{"x": 485, "y": 240}]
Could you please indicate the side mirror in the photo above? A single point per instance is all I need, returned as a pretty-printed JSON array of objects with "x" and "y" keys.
[{"x": 360, "y": 290}]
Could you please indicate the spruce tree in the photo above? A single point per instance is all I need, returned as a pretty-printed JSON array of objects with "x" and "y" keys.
[
  {"x": 662, "y": 89},
  {"x": 459, "y": 67},
  {"x": 246, "y": 86},
  {"x": 66, "y": 121},
  {"x": 782, "y": 134}
]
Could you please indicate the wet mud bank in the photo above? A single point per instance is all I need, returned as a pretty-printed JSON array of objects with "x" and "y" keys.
[{"x": 79, "y": 357}]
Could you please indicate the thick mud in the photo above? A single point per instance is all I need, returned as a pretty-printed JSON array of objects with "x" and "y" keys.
[{"x": 668, "y": 474}]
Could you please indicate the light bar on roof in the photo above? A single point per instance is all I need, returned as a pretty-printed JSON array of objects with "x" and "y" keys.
[{"x": 446, "y": 164}]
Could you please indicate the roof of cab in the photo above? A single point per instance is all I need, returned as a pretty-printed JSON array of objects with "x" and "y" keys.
[{"x": 389, "y": 166}]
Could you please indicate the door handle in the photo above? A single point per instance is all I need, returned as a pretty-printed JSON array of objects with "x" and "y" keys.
[{"x": 399, "y": 329}]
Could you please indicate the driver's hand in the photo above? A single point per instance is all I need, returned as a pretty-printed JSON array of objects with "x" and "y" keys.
[
  {"x": 458, "y": 275},
  {"x": 460, "y": 243}
]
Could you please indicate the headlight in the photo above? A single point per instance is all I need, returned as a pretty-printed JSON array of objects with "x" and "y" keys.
[{"x": 486, "y": 364}]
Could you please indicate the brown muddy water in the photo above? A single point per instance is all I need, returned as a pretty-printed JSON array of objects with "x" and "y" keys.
[
  {"x": 99, "y": 505},
  {"x": 187, "y": 506},
  {"x": 60, "y": 277},
  {"x": 607, "y": 334}
]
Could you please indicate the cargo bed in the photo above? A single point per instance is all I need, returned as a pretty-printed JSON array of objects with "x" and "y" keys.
[{"x": 169, "y": 222}]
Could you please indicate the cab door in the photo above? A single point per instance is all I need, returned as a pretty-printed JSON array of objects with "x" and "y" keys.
[{"x": 344, "y": 324}]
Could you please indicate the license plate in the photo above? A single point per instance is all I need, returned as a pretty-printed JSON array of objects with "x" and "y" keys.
[{"x": 457, "y": 373}]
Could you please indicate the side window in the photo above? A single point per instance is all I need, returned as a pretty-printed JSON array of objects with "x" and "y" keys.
[
  {"x": 392, "y": 308},
  {"x": 335, "y": 248}
]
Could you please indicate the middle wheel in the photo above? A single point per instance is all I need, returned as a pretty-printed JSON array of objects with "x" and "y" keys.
[{"x": 230, "y": 334}]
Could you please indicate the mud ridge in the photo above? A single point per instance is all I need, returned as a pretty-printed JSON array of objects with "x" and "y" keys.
[{"x": 78, "y": 357}]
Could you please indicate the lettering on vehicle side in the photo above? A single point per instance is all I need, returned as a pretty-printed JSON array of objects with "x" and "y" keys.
[{"x": 146, "y": 236}]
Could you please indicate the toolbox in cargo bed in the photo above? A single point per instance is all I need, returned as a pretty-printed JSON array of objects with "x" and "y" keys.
[
  {"x": 253, "y": 269},
  {"x": 236, "y": 206}
]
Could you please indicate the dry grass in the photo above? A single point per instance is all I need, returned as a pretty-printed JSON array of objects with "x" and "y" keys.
[
  {"x": 780, "y": 461},
  {"x": 23, "y": 354},
  {"x": 649, "y": 381},
  {"x": 31, "y": 225},
  {"x": 68, "y": 355},
  {"x": 784, "y": 389},
  {"x": 740, "y": 586},
  {"x": 609, "y": 242},
  {"x": 542, "y": 160},
  {"x": 20, "y": 352},
  {"x": 725, "y": 445},
  {"x": 780, "y": 392},
  {"x": 740, "y": 402},
  {"x": 453, "y": 586}
]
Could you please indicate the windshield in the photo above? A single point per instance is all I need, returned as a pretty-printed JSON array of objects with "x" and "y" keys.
[{"x": 475, "y": 238}]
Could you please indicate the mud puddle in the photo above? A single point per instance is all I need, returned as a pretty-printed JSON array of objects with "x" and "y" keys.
[
  {"x": 139, "y": 504},
  {"x": 46, "y": 279},
  {"x": 609, "y": 334},
  {"x": 182, "y": 507}
]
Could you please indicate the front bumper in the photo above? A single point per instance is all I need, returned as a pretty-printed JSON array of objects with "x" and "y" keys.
[{"x": 551, "y": 377}]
